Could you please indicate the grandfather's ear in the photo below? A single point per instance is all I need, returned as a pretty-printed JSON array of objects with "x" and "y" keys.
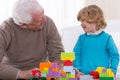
[{"x": 23, "y": 25}]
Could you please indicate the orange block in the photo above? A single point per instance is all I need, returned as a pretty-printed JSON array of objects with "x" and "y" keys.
[
  {"x": 43, "y": 65},
  {"x": 63, "y": 72},
  {"x": 55, "y": 69}
]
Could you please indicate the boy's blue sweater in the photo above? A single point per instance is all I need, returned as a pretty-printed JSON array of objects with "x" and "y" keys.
[{"x": 92, "y": 51}]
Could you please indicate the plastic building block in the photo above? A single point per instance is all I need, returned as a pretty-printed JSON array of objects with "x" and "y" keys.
[
  {"x": 35, "y": 79},
  {"x": 43, "y": 65},
  {"x": 44, "y": 71},
  {"x": 67, "y": 56},
  {"x": 36, "y": 73},
  {"x": 106, "y": 78},
  {"x": 43, "y": 78},
  {"x": 43, "y": 75},
  {"x": 68, "y": 68},
  {"x": 73, "y": 79},
  {"x": 73, "y": 74},
  {"x": 95, "y": 74},
  {"x": 68, "y": 63}
]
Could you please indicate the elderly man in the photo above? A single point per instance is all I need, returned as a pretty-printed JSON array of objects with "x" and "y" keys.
[{"x": 27, "y": 39}]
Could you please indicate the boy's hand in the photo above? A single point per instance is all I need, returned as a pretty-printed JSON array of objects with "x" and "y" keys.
[{"x": 78, "y": 73}]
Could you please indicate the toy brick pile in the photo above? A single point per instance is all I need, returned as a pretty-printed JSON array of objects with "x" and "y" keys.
[
  {"x": 102, "y": 73},
  {"x": 105, "y": 73},
  {"x": 51, "y": 71}
]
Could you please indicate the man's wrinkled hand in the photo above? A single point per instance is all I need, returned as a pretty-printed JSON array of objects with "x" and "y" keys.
[{"x": 26, "y": 74}]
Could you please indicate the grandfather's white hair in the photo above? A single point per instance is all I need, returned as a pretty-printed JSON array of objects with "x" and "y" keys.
[{"x": 23, "y": 9}]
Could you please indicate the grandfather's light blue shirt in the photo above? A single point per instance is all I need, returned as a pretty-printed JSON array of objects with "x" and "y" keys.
[{"x": 92, "y": 51}]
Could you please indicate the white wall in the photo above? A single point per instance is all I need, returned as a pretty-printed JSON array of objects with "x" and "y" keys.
[
  {"x": 63, "y": 12},
  {"x": 110, "y": 7}
]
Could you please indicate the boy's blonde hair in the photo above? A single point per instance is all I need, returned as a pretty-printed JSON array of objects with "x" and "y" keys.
[{"x": 92, "y": 14}]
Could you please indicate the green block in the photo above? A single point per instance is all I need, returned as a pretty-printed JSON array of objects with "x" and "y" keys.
[
  {"x": 44, "y": 71},
  {"x": 43, "y": 78},
  {"x": 63, "y": 78},
  {"x": 68, "y": 75},
  {"x": 106, "y": 78},
  {"x": 67, "y": 55},
  {"x": 34, "y": 79}
]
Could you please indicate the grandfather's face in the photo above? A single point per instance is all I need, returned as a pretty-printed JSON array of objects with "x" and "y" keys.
[{"x": 38, "y": 20}]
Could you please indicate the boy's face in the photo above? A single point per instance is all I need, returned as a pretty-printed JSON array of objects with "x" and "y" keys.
[{"x": 88, "y": 27}]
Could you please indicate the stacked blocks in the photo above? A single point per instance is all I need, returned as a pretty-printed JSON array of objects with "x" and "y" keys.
[
  {"x": 68, "y": 73},
  {"x": 51, "y": 71},
  {"x": 105, "y": 74}
]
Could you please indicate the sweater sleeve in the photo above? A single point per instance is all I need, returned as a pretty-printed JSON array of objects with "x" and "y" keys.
[
  {"x": 6, "y": 71},
  {"x": 54, "y": 43},
  {"x": 77, "y": 50},
  {"x": 114, "y": 55}
]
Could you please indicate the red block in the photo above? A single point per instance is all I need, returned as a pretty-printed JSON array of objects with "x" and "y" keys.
[
  {"x": 36, "y": 73},
  {"x": 68, "y": 63},
  {"x": 95, "y": 74}
]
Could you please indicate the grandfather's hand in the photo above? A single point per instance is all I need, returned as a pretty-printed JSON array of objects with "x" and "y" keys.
[{"x": 26, "y": 74}]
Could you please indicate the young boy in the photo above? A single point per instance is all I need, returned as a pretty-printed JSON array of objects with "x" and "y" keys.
[{"x": 95, "y": 48}]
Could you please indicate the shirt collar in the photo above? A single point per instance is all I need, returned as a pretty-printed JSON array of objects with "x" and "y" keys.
[{"x": 95, "y": 33}]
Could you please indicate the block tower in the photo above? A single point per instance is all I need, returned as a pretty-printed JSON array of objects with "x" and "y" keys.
[
  {"x": 52, "y": 71},
  {"x": 105, "y": 73},
  {"x": 68, "y": 73}
]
